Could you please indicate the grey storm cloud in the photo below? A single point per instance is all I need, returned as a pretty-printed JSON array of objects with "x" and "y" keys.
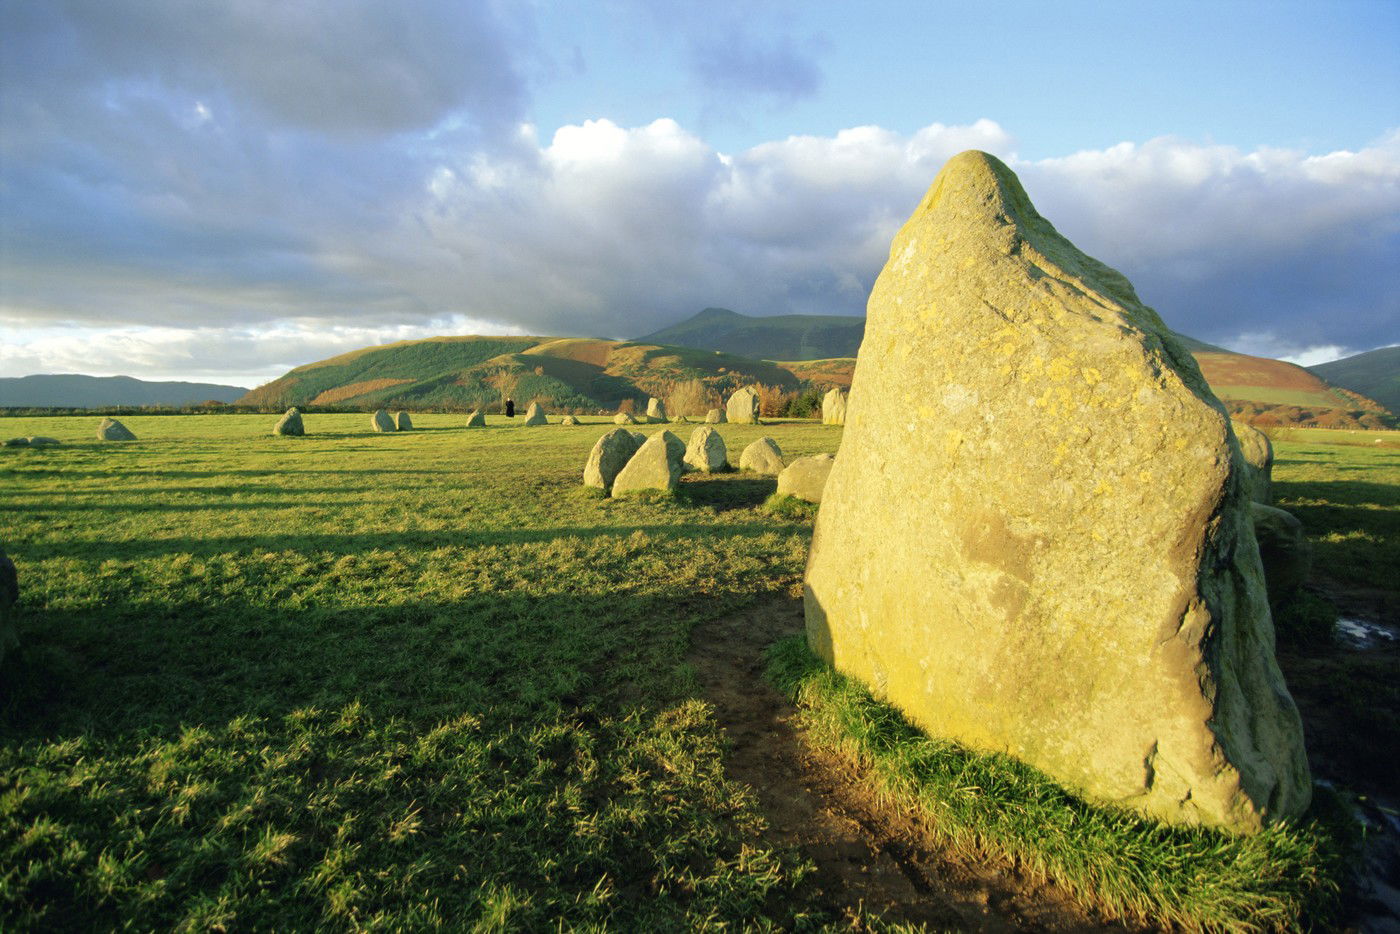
[{"x": 734, "y": 62}]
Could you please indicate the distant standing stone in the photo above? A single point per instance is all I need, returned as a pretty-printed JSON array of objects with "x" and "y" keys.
[
  {"x": 834, "y": 407},
  {"x": 289, "y": 424},
  {"x": 715, "y": 417},
  {"x": 656, "y": 411},
  {"x": 680, "y": 419},
  {"x": 655, "y": 466},
  {"x": 9, "y": 596},
  {"x": 610, "y": 454},
  {"x": 381, "y": 421},
  {"x": 568, "y": 420},
  {"x": 476, "y": 419},
  {"x": 1259, "y": 455},
  {"x": 805, "y": 477},
  {"x": 763, "y": 456},
  {"x": 1284, "y": 551},
  {"x": 743, "y": 407},
  {"x": 112, "y": 430},
  {"x": 402, "y": 422},
  {"x": 623, "y": 418},
  {"x": 706, "y": 451},
  {"x": 534, "y": 415}
]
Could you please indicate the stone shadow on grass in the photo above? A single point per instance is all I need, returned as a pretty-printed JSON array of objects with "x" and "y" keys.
[{"x": 725, "y": 491}]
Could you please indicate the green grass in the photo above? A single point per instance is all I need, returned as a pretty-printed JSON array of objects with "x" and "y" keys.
[
  {"x": 983, "y": 805},
  {"x": 382, "y": 681},
  {"x": 425, "y": 680}
]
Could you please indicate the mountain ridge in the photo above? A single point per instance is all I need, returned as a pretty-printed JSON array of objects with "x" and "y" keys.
[{"x": 78, "y": 390}]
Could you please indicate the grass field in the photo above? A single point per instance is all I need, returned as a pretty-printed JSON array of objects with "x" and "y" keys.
[{"x": 395, "y": 681}]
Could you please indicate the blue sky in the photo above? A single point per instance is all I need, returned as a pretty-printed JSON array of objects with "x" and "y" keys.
[{"x": 223, "y": 191}]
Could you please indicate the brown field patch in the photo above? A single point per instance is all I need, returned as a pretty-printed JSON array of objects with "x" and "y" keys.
[
  {"x": 350, "y": 390},
  {"x": 582, "y": 349}
]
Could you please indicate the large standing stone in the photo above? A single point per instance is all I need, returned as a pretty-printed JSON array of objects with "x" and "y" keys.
[
  {"x": 109, "y": 429},
  {"x": 476, "y": 419},
  {"x": 805, "y": 477},
  {"x": 763, "y": 456},
  {"x": 656, "y": 412},
  {"x": 715, "y": 417},
  {"x": 382, "y": 421},
  {"x": 402, "y": 422},
  {"x": 706, "y": 451},
  {"x": 834, "y": 407},
  {"x": 610, "y": 454},
  {"x": 655, "y": 466},
  {"x": 743, "y": 407},
  {"x": 534, "y": 415},
  {"x": 9, "y": 596},
  {"x": 1284, "y": 551},
  {"x": 1036, "y": 538},
  {"x": 1259, "y": 455},
  {"x": 289, "y": 424}
]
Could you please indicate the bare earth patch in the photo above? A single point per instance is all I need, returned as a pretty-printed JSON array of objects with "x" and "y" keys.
[{"x": 868, "y": 857}]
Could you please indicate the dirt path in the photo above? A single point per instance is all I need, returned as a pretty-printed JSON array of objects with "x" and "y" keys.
[{"x": 865, "y": 855}]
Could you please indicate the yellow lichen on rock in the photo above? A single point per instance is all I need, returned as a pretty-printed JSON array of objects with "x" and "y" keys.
[{"x": 1035, "y": 538}]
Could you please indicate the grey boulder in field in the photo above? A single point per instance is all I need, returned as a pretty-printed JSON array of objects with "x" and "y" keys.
[
  {"x": 109, "y": 429},
  {"x": 762, "y": 456},
  {"x": 805, "y": 478},
  {"x": 655, "y": 466},
  {"x": 534, "y": 415},
  {"x": 290, "y": 424},
  {"x": 706, "y": 451},
  {"x": 610, "y": 454},
  {"x": 476, "y": 419},
  {"x": 1036, "y": 538},
  {"x": 743, "y": 407},
  {"x": 402, "y": 422},
  {"x": 715, "y": 417},
  {"x": 382, "y": 421}
]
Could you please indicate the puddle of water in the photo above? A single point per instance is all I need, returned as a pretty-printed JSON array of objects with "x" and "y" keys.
[{"x": 1361, "y": 634}]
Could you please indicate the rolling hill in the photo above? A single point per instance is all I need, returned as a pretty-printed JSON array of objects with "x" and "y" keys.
[
  {"x": 582, "y": 374},
  {"x": 1375, "y": 374},
  {"x": 72, "y": 390}
]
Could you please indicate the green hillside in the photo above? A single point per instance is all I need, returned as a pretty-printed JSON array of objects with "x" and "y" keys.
[
  {"x": 779, "y": 337},
  {"x": 1374, "y": 374},
  {"x": 466, "y": 372}
]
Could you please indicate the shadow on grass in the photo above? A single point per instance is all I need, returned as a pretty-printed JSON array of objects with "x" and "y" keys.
[{"x": 725, "y": 491}]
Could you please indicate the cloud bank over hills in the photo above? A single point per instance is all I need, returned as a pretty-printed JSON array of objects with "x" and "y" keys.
[{"x": 212, "y": 212}]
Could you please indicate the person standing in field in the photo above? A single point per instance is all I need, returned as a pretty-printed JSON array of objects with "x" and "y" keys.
[{"x": 510, "y": 408}]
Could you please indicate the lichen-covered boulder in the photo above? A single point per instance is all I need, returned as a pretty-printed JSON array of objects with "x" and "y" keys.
[
  {"x": 1259, "y": 455},
  {"x": 534, "y": 415},
  {"x": 9, "y": 597},
  {"x": 402, "y": 422},
  {"x": 1284, "y": 550},
  {"x": 382, "y": 421},
  {"x": 656, "y": 412},
  {"x": 1037, "y": 539},
  {"x": 610, "y": 454},
  {"x": 763, "y": 456},
  {"x": 655, "y": 466},
  {"x": 641, "y": 438},
  {"x": 624, "y": 418},
  {"x": 805, "y": 477},
  {"x": 109, "y": 429},
  {"x": 476, "y": 419},
  {"x": 706, "y": 451},
  {"x": 568, "y": 420},
  {"x": 715, "y": 417},
  {"x": 743, "y": 407},
  {"x": 290, "y": 423},
  {"x": 834, "y": 407}
]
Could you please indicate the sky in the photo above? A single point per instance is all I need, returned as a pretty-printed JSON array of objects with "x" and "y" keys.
[{"x": 221, "y": 191}]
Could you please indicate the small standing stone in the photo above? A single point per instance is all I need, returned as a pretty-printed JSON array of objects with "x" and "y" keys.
[
  {"x": 476, "y": 419},
  {"x": 534, "y": 415},
  {"x": 715, "y": 417},
  {"x": 743, "y": 407},
  {"x": 402, "y": 422},
  {"x": 656, "y": 412},
  {"x": 1284, "y": 551},
  {"x": 610, "y": 454},
  {"x": 763, "y": 456},
  {"x": 1259, "y": 455},
  {"x": 568, "y": 420},
  {"x": 834, "y": 407},
  {"x": 112, "y": 430},
  {"x": 706, "y": 451},
  {"x": 289, "y": 424},
  {"x": 381, "y": 421},
  {"x": 656, "y": 466},
  {"x": 624, "y": 418},
  {"x": 805, "y": 477}
]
